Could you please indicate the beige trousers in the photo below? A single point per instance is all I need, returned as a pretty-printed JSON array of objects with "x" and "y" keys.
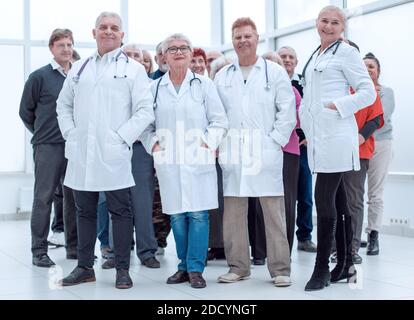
[{"x": 236, "y": 239}]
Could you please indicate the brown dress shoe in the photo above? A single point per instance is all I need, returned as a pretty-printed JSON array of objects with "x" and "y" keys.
[
  {"x": 179, "y": 277},
  {"x": 196, "y": 280}
]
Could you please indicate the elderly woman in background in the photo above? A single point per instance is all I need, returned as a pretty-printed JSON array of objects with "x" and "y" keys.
[
  {"x": 198, "y": 61},
  {"x": 327, "y": 119},
  {"x": 190, "y": 122},
  {"x": 147, "y": 61}
]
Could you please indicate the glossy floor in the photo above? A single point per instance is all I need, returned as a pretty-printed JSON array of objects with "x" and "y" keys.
[{"x": 387, "y": 276}]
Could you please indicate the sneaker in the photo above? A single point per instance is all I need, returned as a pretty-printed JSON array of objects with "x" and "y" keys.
[
  {"x": 57, "y": 239},
  {"x": 79, "y": 275},
  {"x": 231, "y": 277},
  {"x": 307, "y": 246},
  {"x": 160, "y": 251},
  {"x": 282, "y": 281}
]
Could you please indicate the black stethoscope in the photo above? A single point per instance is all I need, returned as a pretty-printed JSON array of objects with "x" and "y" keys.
[
  {"x": 335, "y": 44},
  {"x": 191, "y": 82},
  {"x": 233, "y": 67},
  {"x": 116, "y": 75}
]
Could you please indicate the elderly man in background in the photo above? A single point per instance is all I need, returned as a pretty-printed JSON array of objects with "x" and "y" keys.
[
  {"x": 104, "y": 106},
  {"x": 160, "y": 60},
  {"x": 211, "y": 56}
]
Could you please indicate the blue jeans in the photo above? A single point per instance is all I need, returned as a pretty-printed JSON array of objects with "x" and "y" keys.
[
  {"x": 305, "y": 202},
  {"x": 190, "y": 231}
]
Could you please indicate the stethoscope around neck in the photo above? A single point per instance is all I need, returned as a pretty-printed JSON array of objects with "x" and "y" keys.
[
  {"x": 233, "y": 68},
  {"x": 116, "y": 75},
  {"x": 155, "y": 104},
  {"x": 335, "y": 44}
]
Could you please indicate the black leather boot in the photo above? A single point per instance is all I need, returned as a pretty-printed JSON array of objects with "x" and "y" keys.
[
  {"x": 321, "y": 277},
  {"x": 344, "y": 268},
  {"x": 373, "y": 243}
]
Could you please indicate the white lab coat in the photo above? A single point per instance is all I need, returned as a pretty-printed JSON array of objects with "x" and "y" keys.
[
  {"x": 186, "y": 172},
  {"x": 260, "y": 122},
  {"x": 333, "y": 135},
  {"x": 100, "y": 118}
]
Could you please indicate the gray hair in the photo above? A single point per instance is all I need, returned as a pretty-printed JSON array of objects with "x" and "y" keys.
[
  {"x": 288, "y": 48},
  {"x": 175, "y": 36},
  {"x": 218, "y": 64},
  {"x": 132, "y": 46},
  {"x": 334, "y": 8},
  {"x": 108, "y": 14},
  {"x": 273, "y": 56}
]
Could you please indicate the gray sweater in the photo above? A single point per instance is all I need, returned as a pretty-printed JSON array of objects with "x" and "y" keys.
[
  {"x": 388, "y": 105},
  {"x": 38, "y": 105}
]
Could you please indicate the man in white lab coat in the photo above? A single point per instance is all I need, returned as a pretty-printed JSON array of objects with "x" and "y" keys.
[
  {"x": 260, "y": 106},
  {"x": 105, "y": 104}
]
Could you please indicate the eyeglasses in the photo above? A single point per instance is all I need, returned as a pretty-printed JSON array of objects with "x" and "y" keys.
[{"x": 174, "y": 50}]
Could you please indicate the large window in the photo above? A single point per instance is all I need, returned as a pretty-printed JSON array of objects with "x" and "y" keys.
[
  {"x": 295, "y": 11},
  {"x": 11, "y": 128},
  {"x": 357, "y": 3},
  {"x": 234, "y": 9},
  {"x": 390, "y": 43},
  {"x": 150, "y": 22},
  {"x": 77, "y": 15},
  {"x": 11, "y": 22}
]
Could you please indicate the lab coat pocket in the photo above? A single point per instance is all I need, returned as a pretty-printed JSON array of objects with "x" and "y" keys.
[
  {"x": 115, "y": 149},
  {"x": 201, "y": 160},
  {"x": 71, "y": 146}
]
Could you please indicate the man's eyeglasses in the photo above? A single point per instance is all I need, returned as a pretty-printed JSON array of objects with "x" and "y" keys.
[{"x": 174, "y": 50}]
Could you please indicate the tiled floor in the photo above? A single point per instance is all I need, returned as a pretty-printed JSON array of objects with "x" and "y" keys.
[{"x": 387, "y": 276}]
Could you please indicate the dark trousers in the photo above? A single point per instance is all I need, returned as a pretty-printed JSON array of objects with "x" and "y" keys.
[
  {"x": 355, "y": 188},
  {"x": 70, "y": 221},
  {"x": 142, "y": 196},
  {"x": 216, "y": 215},
  {"x": 161, "y": 221},
  {"x": 331, "y": 205},
  {"x": 257, "y": 234},
  {"x": 57, "y": 223},
  {"x": 119, "y": 206},
  {"x": 305, "y": 201},
  {"x": 49, "y": 172}
]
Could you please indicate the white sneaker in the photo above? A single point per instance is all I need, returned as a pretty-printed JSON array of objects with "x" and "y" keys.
[
  {"x": 160, "y": 251},
  {"x": 57, "y": 239},
  {"x": 231, "y": 277},
  {"x": 282, "y": 281}
]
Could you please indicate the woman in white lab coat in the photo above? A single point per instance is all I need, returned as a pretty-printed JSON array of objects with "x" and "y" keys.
[
  {"x": 327, "y": 118},
  {"x": 190, "y": 122}
]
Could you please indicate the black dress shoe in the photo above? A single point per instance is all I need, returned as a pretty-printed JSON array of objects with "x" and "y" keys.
[
  {"x": 71, "y": 255},
  {"x": 364, "y": 244},
  {"x": 258, "y": 262},
  {"x": 356, "y": 258},
  {"x": 179, "y": 277},
  {"x": 373, "y": 243},
  {"x": 123, "y": 280},
  {"x": 151, "y": 263},
  {"x": 79, "y": 275},
  {"x": 108, "y": 264},
  {"x": 307, "y": 246},
  {"x": 42, "y": 261},
  {"x": 196, "y": 280}
]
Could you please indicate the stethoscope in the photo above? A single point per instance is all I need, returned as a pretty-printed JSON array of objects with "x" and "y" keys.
[
  {"x": 335, "y": 44},
  {"x": 155, "y": 104},
  {"x": 116, "y": 75},
  {"x": 233, "y": 67}
]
